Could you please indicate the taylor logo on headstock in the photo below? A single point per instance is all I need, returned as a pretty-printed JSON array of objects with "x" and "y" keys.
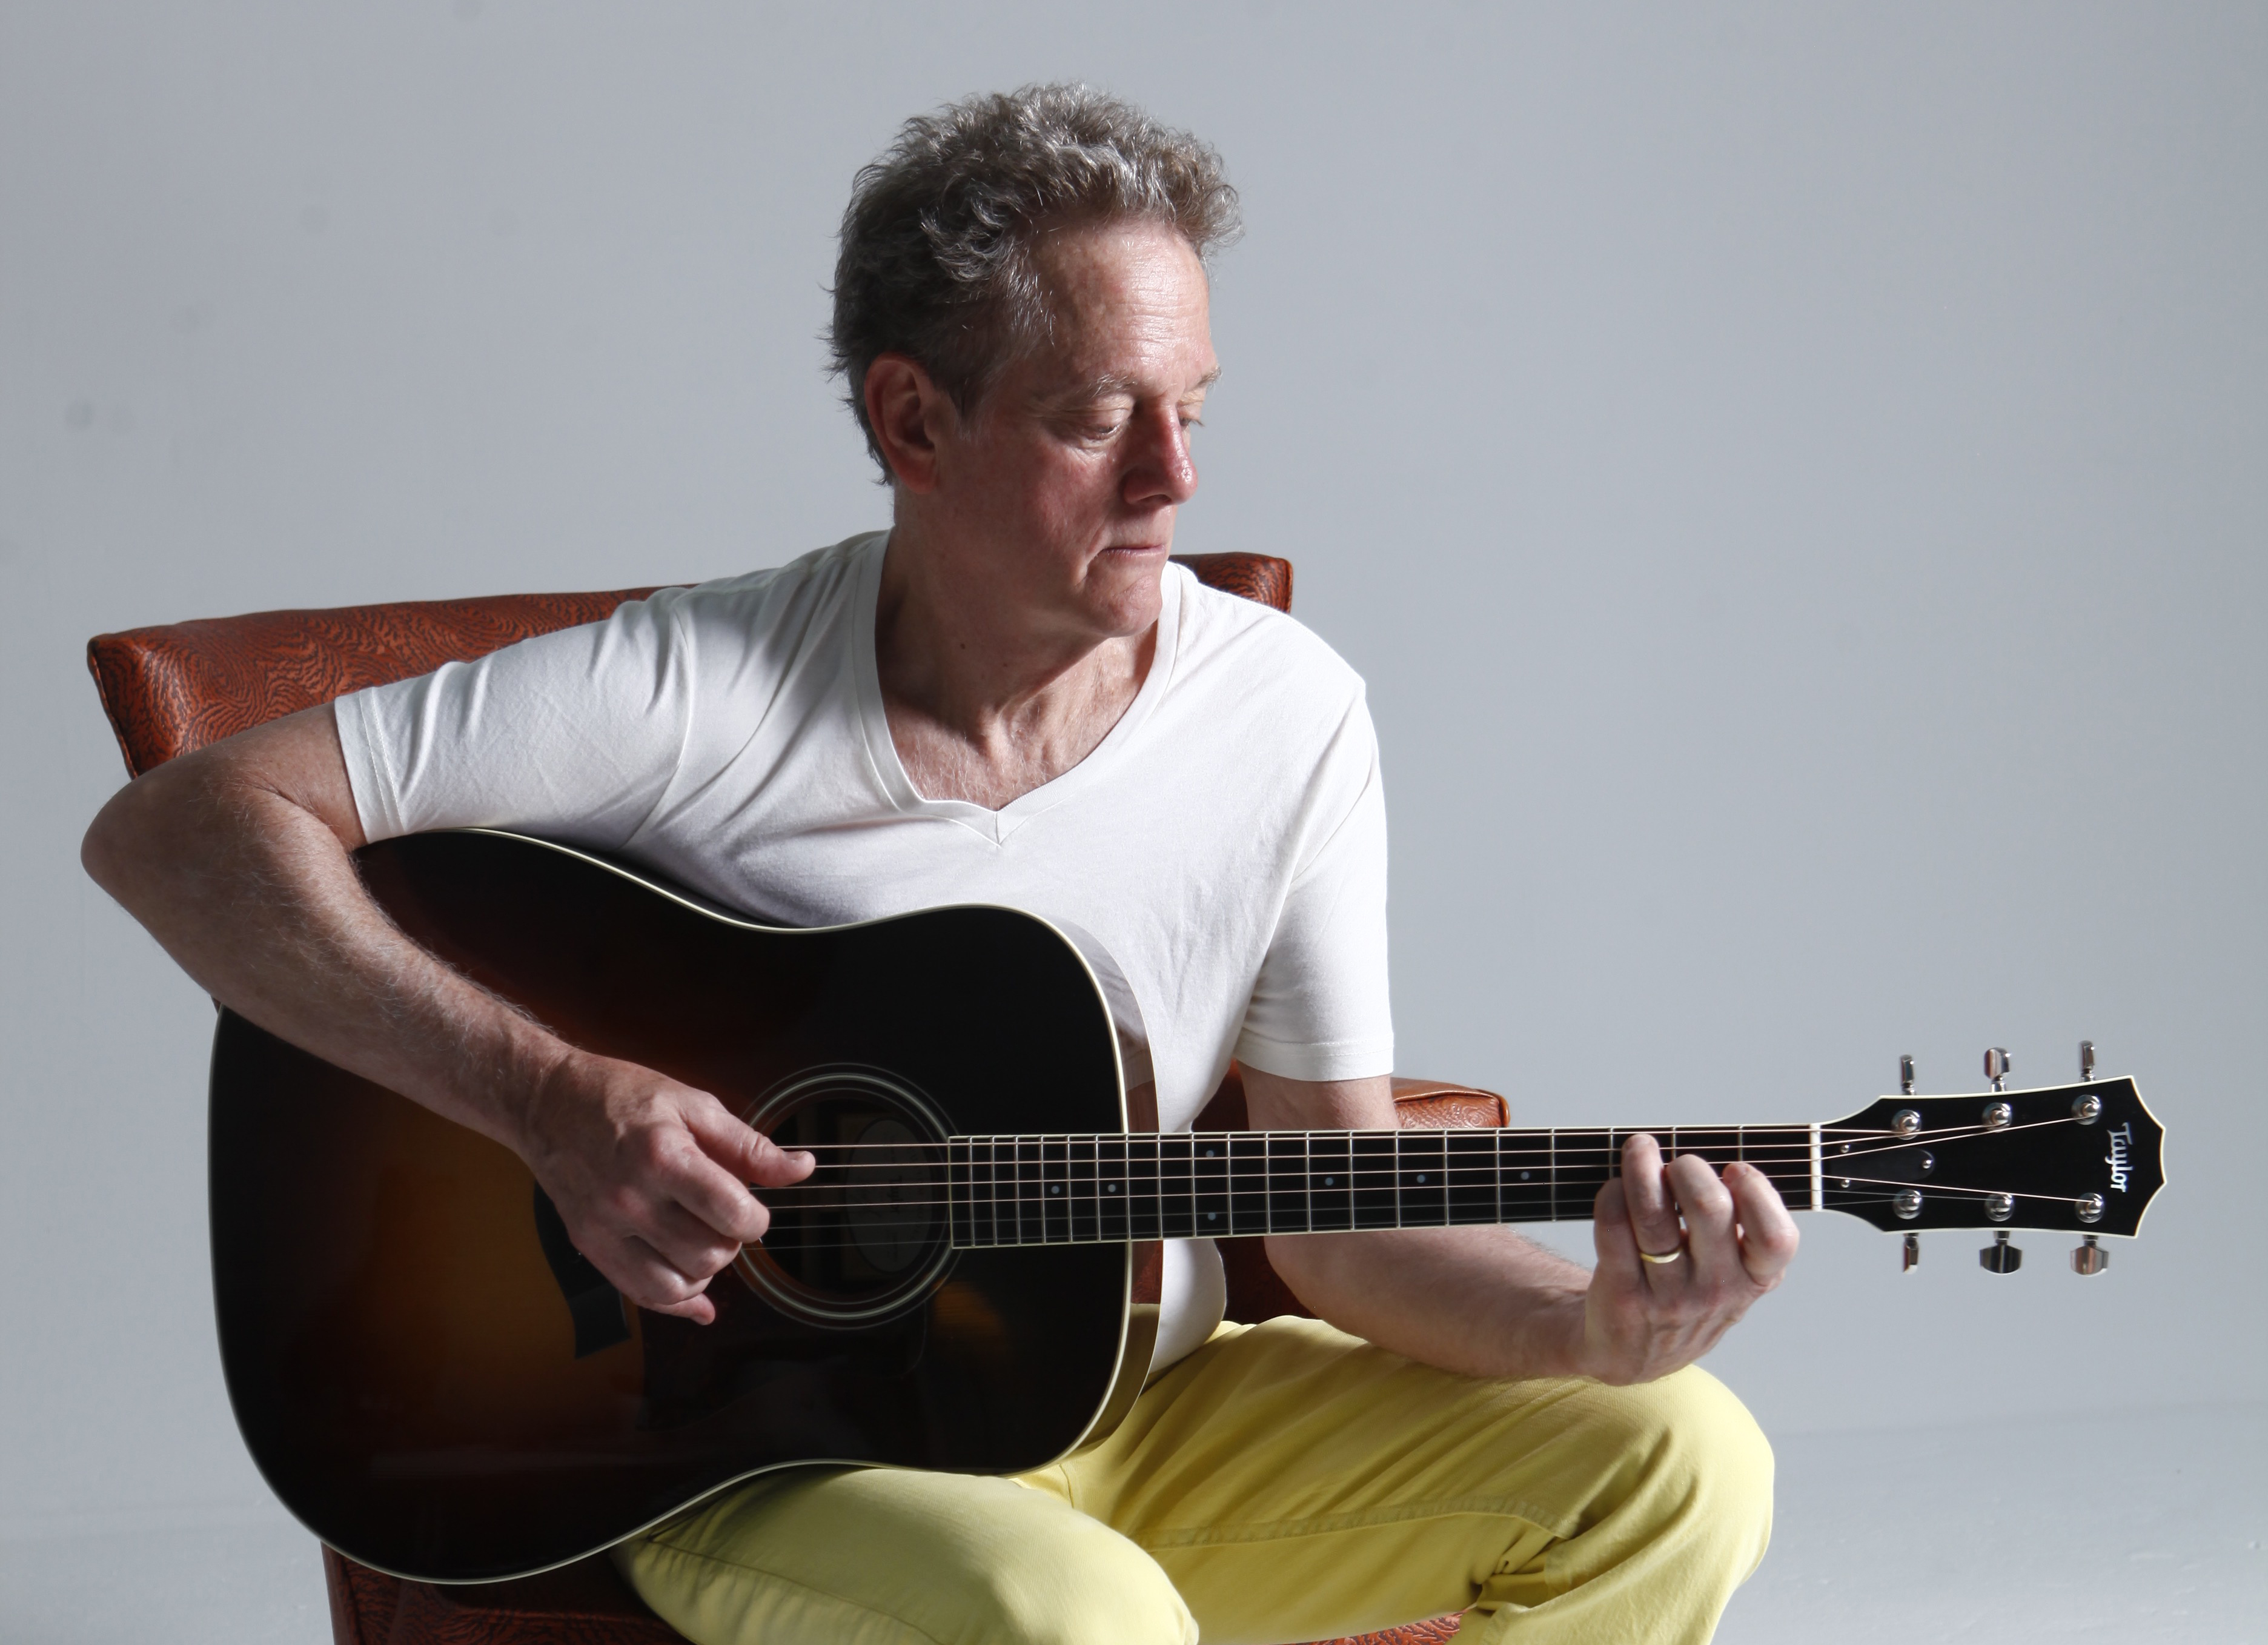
[{"x": 2121, "y": 1140}]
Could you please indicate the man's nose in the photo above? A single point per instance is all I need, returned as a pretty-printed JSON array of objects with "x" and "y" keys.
[{"x": 1163, "y": 471}]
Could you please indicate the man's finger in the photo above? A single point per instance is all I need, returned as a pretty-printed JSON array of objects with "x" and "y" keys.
[
  {"x": 1653, "y": 1213},
  {"x": 716, "y": 1195},
  {"x": 645, "y": 1277},
  {"x": 686, "y": 1241},
  {"x": 1711, "y": 1239},
  {"x": 1768, "y": 1232},
  {"x": 1611, "y": 1237},
  {"x": 743, "y": 1150}
]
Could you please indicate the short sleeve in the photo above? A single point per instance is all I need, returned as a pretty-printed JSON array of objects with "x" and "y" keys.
[
  {"x": 1321, "y": 1008},
  {"x": 575, "y": 735}
]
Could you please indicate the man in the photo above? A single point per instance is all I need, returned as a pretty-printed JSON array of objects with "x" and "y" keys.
[{"x": 1010, "y": 696}]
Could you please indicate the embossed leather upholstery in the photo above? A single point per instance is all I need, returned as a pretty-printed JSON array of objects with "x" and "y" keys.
[{"x": 174, "y": 689}]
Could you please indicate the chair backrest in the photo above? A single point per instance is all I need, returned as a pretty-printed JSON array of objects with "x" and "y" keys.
[{"x": 175, "y": 688}]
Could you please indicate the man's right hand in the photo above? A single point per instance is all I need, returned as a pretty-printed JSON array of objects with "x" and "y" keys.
[{"x": 651, "y": 1177}]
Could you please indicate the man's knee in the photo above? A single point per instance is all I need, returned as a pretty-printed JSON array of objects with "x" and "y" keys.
[
  {"x": 1079, "y": 1590},
  {"x": 1704, "y": 1467}
]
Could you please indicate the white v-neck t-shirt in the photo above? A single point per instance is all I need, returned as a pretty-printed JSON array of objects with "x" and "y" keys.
[{"x": 1225, "y": 845}]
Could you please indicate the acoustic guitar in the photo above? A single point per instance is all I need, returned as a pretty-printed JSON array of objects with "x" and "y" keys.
[{"x": 439, "y": 1385}]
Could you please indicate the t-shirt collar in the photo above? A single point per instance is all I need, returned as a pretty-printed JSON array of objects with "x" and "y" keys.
[{"x": 997, "y": 826}]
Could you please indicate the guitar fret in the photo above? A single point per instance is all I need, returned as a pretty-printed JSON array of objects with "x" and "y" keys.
[
  {"x": 1086, "y": 1196},
  {"x": 1031, "y": 1214},
  {"x": 1469, "y": 1166},
  {"x": 1208, "y": 1184},
  {"x": 1247, "y": 1182},
  {"x": 1371, "y": 1169},
  {"x": 1330, "y": 1183},
  {"x": 1056, "y": 1173},
  {"x": 1288, "y": 1210},
  {"x": 971, "y": 1174},
  {"x": 1424, "y": 1178},
  {"x": 1146, "y": 1209},
  {"x": 1177, "y": 1186},
  {"x": 1113, "y": 1210},
  {"x": 1496, "y": 1158}
]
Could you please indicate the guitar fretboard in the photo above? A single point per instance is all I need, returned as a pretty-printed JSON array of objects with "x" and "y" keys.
[{"x": 1074, "y": 1190}]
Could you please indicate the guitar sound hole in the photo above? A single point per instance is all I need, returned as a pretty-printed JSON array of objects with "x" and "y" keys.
[{"x": 865, "y": 1235}]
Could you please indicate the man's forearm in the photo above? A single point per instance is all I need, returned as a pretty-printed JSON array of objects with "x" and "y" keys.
[
  {"x": 255, "y": 895},
  {"x": 237, "y": 860},
  {"x": 1479, "y": 1301}
]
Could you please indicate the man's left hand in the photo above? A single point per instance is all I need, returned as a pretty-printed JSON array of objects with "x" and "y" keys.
[{"x": 1645, "y": 1319}]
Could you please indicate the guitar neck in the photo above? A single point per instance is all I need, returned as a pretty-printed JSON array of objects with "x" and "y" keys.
[{"x": 1074, "y": 1190}]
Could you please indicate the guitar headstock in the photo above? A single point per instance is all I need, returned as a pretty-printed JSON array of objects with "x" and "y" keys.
[{"x": 2082, "y": 1159}]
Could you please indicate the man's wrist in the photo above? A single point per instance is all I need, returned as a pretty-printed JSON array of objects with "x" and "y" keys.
[
  {"x": 503, "y": 1093},
  {"x": 1559, "y": 1337}
]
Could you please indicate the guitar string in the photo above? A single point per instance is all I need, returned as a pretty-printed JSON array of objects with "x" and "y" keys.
[
  {"x": 1160, "y": 1216},
  {"x": 1171, "y": 1198},
  {"x": 1179, "y": 1197},
  {"x": 929, "y": 1226},
  {"x": 1884, "y": 1141},
  {"x": 1971, "y": 1127},
  {"x": 1244, "y": 1181},
  {"x": 1250, "y": 1167},
  {"x": 1541, "y": 1137}
]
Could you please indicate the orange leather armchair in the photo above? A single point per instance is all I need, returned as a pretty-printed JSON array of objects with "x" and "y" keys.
[{"x": 174, "y": 689}]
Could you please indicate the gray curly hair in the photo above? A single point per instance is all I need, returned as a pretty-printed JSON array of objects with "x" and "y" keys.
[{"x": 937, "y": 248}]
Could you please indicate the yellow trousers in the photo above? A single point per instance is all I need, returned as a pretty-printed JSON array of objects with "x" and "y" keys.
[{"x": 1284, "y": 1482}]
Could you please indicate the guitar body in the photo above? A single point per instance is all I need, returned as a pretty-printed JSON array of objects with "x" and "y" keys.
[{"x": 436, "y": 1383}]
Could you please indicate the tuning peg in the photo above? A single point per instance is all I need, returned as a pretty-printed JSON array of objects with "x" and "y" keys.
[
  {"x": 2000, "y": 1256},
  {"x": 2087, "y": 1059},
  {"x": 2088, "y": 1260},
  {"x": 1912, "y": 1258},
  {"x": 1996, "y": 1067},
  {"x": 1905, "y": 1075}
]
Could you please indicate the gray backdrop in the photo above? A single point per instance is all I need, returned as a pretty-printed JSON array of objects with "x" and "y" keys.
[{"x": 1794, "y": 479}]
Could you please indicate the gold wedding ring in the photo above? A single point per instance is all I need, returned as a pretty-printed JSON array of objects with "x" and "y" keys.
[{"x": 1646, "y": 1256}]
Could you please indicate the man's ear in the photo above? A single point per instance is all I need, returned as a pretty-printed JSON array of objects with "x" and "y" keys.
[{"x": 908, "y": 412}]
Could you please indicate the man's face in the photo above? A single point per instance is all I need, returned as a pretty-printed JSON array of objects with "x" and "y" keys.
[{"x": 1064, "y": 483}]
